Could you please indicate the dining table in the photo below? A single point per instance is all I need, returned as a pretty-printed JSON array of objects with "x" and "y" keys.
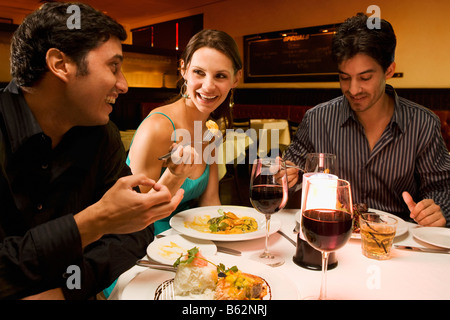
[{"x": 407, "y": 275}]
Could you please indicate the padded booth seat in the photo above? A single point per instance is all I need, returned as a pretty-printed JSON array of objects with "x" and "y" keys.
[{"x": 293, "y": 113}]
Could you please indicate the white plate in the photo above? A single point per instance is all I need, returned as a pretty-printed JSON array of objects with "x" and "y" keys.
[
  {"x": 178, "y": 220},
  {"x": 168, "y": 249},
  {"x": 433, "y": 235},
  {"x": 145, "y": 284},
  {"x": 402, "y": 226}
]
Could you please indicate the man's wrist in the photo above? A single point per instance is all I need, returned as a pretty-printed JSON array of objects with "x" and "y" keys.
[{"x": 89, "y": 225}]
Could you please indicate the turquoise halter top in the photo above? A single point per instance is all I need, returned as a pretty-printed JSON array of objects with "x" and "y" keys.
[{"x": 193, "y": 188}]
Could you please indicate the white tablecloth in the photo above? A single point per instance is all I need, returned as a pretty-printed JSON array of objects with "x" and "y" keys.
[{"x": 407, "y": 275}]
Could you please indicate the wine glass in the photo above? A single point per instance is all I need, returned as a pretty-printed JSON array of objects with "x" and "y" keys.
[
  {"x": 315, "y": 163},
  {"x": 268, "y": 195},
  {"x": 306, "y": 256},
  {"x": 327, "y": 218}
]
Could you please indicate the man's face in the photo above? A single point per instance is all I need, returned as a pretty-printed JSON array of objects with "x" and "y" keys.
[
  {"x": 91, "y": 95},
  {"x": 363, "y": 81}
]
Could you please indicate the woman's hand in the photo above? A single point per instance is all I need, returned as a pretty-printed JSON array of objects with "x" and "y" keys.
[{"x": 182, "y": 160}]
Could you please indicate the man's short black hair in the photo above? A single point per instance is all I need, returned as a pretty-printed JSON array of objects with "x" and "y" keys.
[
  {"x": 47, "y": 28},
  {"x": 354, "y": 36}
]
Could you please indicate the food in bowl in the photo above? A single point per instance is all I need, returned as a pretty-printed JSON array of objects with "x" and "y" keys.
[
  {"x": 240, "y": 286},
  {"x": 195, "y": 277},
  {"x": 226, "y": 223},
  {"x": 198, "y": 278}
]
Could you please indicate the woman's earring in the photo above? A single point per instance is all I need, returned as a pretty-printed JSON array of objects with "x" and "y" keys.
[
  {"x": 183, "y": 90},
  {"x": 231, "y": 104}
]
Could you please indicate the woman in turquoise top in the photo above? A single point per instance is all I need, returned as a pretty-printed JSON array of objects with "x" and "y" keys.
[
  {"x": 211, "y": 68},
  {"x": 193, "y": 188}
]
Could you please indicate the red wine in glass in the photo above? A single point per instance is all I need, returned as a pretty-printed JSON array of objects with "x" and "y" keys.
[
  {"x": 267, "y": 199},
  {"x": 327, "y": 218},
  {"x": 268, "y": 195},
  {"x": 327, "y": 229}
]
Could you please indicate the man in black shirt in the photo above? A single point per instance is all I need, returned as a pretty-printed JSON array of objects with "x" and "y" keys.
[{"x": 67, "y": 199}]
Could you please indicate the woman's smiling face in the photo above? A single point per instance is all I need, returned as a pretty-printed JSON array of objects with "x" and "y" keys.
[{"x": 210, "y": 76}]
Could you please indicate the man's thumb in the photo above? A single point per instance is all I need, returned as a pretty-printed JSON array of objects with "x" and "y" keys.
[{"x": 408, "y": 200}]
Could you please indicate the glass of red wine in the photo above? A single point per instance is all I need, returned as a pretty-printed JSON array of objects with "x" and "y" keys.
[
  {"x": 268, "y": 195},
  {"x": 327, "y": 219}
]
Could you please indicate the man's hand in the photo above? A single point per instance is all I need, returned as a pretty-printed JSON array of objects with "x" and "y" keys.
[
  {"x": 292, "y": 174},
  {"x": 426, "y": 212},
  {"x": 123, "y": 210}
]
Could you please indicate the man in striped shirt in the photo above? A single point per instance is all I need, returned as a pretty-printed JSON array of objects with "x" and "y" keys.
[{"x": 390, "y": 149}]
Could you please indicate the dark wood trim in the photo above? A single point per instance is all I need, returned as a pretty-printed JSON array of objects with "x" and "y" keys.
[
  {"x": 126, "y": 113},
  {"x": 8, "y": 27},
  {"x": 149, "y": 50},
  {"x": 433, "y": 98}
]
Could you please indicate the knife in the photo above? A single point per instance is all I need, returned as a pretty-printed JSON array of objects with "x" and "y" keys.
[
  {"x": 287, "y": 237},
  {"x": 422, "y": 249},
  {"x": 219, "y": 248},
  {"x": 228, "y": 250},
  {"x": 158, "y": 266}
]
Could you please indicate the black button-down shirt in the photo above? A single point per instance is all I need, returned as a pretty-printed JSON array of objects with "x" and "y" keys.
[
  {"x": 41, "y": 189},
  {"x": 410, "y": 155}
]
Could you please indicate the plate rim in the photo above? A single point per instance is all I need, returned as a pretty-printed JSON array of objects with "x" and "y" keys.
[
  {"x": 275, "y": 225},
  {"x": 426, "y": 230},
  {"x": 187, "y": 238}
]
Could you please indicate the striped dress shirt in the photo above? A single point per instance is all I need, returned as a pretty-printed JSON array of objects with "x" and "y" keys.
[{"x": 410, "y": 155}]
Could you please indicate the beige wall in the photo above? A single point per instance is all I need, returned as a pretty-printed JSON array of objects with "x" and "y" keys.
[{"x": 423, "y": 49}]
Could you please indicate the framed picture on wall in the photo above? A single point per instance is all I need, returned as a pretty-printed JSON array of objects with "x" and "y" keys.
[{"x": 296, "y": 55}]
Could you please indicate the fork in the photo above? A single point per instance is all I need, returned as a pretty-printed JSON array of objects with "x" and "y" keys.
[
  {"x": 295, "y": 167},
  {"x": 209, "y": 136},
  {"x": 168, "y": 292},
  {"x": 206, "y": 140},
  {"x": 155, "y": 265}
]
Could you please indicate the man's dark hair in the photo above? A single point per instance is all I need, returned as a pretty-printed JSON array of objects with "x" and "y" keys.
[
  {"x": 47, "y": 28},
  {"x": 354, "y": 36}
]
